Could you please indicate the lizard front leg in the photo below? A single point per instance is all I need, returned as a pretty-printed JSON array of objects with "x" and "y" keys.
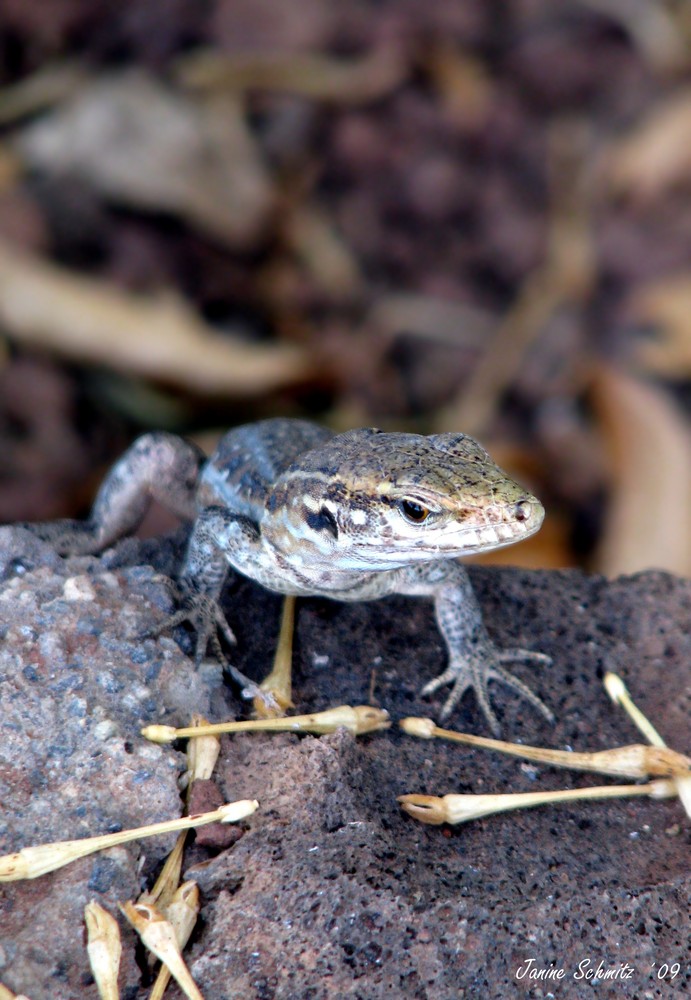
[
  {"x": 158, "y": 466},
  {"x": 218, "y": 538},
  {"x": 474, "y": 660}
]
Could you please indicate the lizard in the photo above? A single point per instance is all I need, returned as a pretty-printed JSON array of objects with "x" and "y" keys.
[{"x": 307, "y": 512}]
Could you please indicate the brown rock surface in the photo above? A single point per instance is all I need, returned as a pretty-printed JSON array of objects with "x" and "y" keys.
[{"x": 333, "y": 891}]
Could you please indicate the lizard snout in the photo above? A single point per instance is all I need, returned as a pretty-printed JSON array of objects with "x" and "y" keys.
[{"x": 528, "y": 512}]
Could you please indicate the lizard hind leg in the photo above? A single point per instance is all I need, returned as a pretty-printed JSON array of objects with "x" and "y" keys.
[{"x": 158, "y": 466}]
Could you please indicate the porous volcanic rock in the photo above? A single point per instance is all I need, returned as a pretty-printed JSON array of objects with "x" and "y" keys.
[{"x": 332, "y": 890}]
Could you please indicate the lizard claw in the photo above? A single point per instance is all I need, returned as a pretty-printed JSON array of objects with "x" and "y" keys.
[{"x": 207, "y": 617}]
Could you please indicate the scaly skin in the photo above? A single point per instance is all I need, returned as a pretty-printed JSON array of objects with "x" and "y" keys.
[{"x": 353, "y": 516}]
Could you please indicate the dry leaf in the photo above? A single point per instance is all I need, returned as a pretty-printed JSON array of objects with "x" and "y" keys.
[
  {"x": 649, "y": 445},
  {"x": 665, "y": 305},
  {"x": 159, "y": 337},
  {"x": 657, "y": 154},
  {"x": 348, "y": 81},
  {"x": 142, "y": 144}
]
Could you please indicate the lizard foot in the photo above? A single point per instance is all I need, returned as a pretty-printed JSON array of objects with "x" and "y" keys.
[
  {"x": 476, "y": 671},
  {"x": 205, "y": 614}
]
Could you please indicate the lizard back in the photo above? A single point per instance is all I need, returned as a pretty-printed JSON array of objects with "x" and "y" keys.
[{"x": 249, "y": 459}]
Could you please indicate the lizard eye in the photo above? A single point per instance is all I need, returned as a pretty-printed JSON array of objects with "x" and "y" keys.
[{"x": 413, "y": 512}]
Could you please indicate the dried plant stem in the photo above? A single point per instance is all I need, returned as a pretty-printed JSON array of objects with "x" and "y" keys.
[
  {"x": 455, "y": 809},
  {"x": 30, "y": 862},
  {"x": 634, "y": 761},
  {"x": 278, "y": 683},
  {"x": 169, "y": 876},
  {"x": 358, "y": 719},
  {"x": 618, "y": 692}
]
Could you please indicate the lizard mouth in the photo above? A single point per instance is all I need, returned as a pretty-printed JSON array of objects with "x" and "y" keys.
[
  {"x": 495, "y": 528},
  {"x": 481, "y": 530}
]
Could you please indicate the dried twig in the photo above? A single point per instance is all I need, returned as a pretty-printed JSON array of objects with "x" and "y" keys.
[
  {"x": 325, "y": 78},
  {"x": 278, "y": 684},
  {"x": 30, "y": 862},
  {"x": 358, "y": 719},
  {"x": 566, "y": 276}
]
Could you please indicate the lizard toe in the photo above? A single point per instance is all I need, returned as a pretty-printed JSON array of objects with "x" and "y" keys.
[
  {"x": 497, "y": 672},
  {"x": 477, "y": 670},
  {"x": 462, "y": 675}
]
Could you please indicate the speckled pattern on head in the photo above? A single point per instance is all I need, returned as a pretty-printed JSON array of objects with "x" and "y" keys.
[
  {"x": 451, "y": 469},
  {"x": 344, "y": 504}
]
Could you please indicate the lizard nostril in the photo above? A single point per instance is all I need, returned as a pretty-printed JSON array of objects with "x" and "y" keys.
[{"x": 522, "y": 510}]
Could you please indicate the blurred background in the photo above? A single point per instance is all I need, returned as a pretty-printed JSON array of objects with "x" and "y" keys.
[{"x": 452, "y": 215}]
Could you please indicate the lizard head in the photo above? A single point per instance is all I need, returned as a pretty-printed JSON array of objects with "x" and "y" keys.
[{"x": 380, "y": 500}]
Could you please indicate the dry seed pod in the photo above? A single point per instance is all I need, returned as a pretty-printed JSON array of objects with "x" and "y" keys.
[
  {"x": 103, "y": 948},
  {"x": 358, "y": 720},
  {"x": 158, "y": 936}
]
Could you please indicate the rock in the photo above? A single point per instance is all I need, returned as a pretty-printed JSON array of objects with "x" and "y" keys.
[
  {"x": 76, "y": 686},
  {"x": 333, "y": 890}
]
